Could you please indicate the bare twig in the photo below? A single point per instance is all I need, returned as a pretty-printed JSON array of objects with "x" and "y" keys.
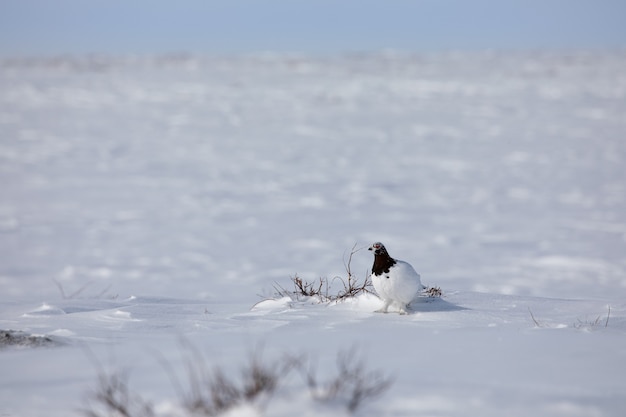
[
  {"x": 433, "y": 292},
  {"x": 113, "y": 395},
  {"x": 320, "y": 289},
  {"x": 211, "y": 391},
  {"x": 349, "y": 262},
  {"x": 537, "y": 323},
  {"x": 104, "y": 291},
  {"x": 354, "y": 288},
  {"x": 591, "y": 324},
  {"x": 72, "y": 295},
  {"x": 353, "y": 384},
  {"x": 80, "y": 290}
]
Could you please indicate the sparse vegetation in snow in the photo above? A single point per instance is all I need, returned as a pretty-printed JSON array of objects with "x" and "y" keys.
[
  {"x": 324, "y": 290},
  {"x": 600, "y": 321},
  {"x": 212, "y": 391},
  {"x": 15, "y": 338}
]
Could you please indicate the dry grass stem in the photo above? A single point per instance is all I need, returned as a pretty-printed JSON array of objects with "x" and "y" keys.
[
  {"x": 211, "y": 391},
  {"x": 352, "y": 385},
  {"x": 321, "y": 289}
]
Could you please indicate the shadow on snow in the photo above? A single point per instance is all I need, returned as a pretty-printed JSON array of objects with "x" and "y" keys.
[{"x": 429, "y": 304}]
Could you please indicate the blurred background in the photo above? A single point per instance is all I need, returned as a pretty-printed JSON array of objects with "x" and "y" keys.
[
  {"x": 210, "y": 149},
  {"x": 33, "y": 27}
]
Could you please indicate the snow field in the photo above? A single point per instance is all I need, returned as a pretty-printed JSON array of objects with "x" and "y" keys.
[
  {"x": 149, "y": 200},
  {"x": 469, "y": 350}
]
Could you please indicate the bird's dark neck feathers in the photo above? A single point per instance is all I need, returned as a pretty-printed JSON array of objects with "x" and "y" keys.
[{"x": 382, "y": 263}]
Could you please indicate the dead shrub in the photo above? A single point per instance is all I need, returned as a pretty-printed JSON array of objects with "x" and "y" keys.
[
  {"x": 115, "y": 399},
  {"x": 321, "y": 289},
  {"x": 211, "y": 392},
  {"x": 352, "y": 385},
  {"x": 433, "y": 292}
]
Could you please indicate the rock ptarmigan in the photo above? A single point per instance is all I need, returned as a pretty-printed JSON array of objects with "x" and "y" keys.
[{"x": 395, "y": 281}]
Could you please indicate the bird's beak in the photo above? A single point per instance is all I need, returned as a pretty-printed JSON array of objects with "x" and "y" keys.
[{"x": 370, "y": 248}]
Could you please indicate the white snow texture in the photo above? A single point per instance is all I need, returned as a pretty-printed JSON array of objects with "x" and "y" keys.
[{"x": 150, "y": 205}]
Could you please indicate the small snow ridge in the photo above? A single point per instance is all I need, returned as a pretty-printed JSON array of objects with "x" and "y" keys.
[
  {"x": 63, "y": 333},
  {"x": 118, "y": 315},
  {"x": 272, "y": 304},
  {"x": 363, "y": 302},
  {"x": 122, "y": 314},
  {"x": 44, "y": 311}
]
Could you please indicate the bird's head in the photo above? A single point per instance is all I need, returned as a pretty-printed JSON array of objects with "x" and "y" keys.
[{"x": 378, "y": 248}]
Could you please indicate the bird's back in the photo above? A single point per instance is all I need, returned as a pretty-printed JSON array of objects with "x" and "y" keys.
[{"x": 400, "y": 284}]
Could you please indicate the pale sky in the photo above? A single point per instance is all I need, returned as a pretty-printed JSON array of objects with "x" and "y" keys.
[{"x": 35, "y": 27}]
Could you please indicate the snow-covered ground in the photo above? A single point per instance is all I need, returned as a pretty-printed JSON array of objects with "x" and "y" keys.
[{"x": 149, "y": 204}]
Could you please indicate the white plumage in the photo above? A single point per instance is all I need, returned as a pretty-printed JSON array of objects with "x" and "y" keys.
[{"x": 395, "y": 281}]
